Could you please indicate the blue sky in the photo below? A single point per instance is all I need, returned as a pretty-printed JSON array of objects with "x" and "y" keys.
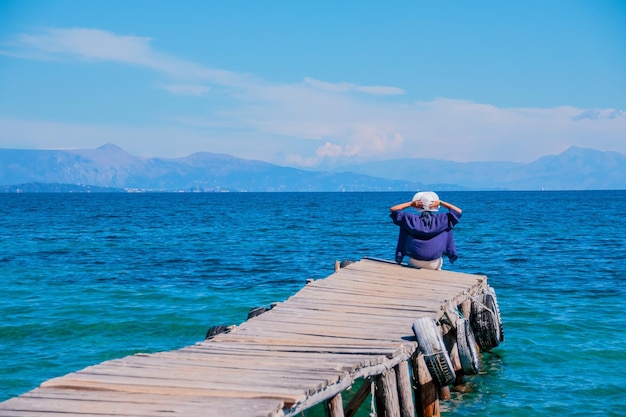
[{"x": 315, "y": 84}]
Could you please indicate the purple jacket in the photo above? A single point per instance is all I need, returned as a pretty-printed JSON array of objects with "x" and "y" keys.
[{"x": 425, "y": 236}]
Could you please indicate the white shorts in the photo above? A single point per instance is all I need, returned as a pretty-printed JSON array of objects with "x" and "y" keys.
[{"x": 435, "y": 264}]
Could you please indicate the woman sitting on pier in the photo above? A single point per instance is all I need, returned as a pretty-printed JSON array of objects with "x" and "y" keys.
[{"x": 425, "y": 237}]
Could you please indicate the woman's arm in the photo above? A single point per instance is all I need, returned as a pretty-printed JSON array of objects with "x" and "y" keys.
[
  {"x": 419, "y": 204},
  {"x": 402, "y": 206},
  {"x": 450, "y": 206}
]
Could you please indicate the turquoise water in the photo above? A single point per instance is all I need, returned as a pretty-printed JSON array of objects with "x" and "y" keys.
[{"x": 92, "y": 277}]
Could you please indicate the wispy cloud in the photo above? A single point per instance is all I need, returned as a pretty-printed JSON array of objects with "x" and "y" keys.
[
  {"x": 597, "y": 114},
  {"x": 90, "y": 44},
  {"x": 187, "y": 90},
  {"x": 345, "y": 87},
  {"x": 99, "y": 45},
  {"x": 313, "y": 121}
]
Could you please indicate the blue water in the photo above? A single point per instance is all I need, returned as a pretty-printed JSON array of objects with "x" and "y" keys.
[{"x": 92, "y": 277}]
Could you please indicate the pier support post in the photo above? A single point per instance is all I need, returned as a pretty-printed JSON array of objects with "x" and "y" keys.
[
  {"x": 387, "y": 403},
  {"x": 459, "y": 383},
  {"x": 405, "y": 395},
  {"x": 466, "y": 308},
  {"x": 444, "y": 393},
  {"x": 334, "y": 406},
  {"x": 356, "y": 401},
  {"x": 425, "y": 390}
]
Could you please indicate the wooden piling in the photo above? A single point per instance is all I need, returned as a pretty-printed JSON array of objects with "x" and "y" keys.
[
  {"x": 387, "y": 403},
  {"x": 405, "y": 394},
  {"x": 334, "y": 406},
  {"x": 425, "y": 390},
  {"x": 353, "y": 405}
]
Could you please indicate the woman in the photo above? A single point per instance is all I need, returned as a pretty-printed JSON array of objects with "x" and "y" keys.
[{"x": 425, "y": 237}]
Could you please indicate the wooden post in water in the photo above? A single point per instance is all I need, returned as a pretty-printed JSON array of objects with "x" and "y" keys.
[
  {"x": 356, "y": 401},
  {"x": 466, "y": 308},
  {"x": 444, "y": 393},
  {"x": 426, "y": 402},
  {"x": 334, "y": 406},
  {"x": 405, "y": 395},
  {"x": 387, "y": 404}
]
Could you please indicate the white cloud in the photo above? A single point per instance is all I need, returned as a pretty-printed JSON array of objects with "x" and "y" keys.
[
  {"x": 90, "y": 44},
  {"x": 597, "y": 114},
  {"x": 100, "y": 45},
  {"x": 345, "y": 87},
  {"x": 329, "y": 150},
  {"x": 300, "y": 161},
  {"x": 187, "y": 90}
]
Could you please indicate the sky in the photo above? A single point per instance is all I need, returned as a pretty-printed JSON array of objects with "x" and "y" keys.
[{"x": 315, "y": 84}]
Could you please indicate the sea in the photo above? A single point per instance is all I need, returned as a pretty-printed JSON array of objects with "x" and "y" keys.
[{"x": 91, "y": 277}]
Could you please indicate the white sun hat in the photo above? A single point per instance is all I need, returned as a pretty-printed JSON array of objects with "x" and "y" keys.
[{"x": 426, "y": 197}]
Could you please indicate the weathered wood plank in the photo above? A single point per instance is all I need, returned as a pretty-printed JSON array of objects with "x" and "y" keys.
[
  {"x": 392, "y": 332},
  {"x": 203, "y": 363},
  {"x": 172, "y": 387},
  {"x": 389, "y": 287},
  {"x": 259, "y": 354},
  {"x": 355, "y": 307},
  {"x": 224, "y": 375},
  {"x": 52, "y": 402}
]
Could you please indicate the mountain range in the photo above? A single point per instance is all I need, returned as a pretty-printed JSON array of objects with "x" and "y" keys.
[
  {"x": 110, "y": 168},
  {"x": 574, "y": 169}
]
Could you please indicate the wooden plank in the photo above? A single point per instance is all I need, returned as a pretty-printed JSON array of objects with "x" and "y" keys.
[
  {"x": 318, "y": 343},
  {"x": 256, "y": 354},
  {"x": 357, "y": 306},
  {"x": 394, "y": 284},
  {"x": 289, "y": 395},
  {"x": 280, "y": 377},
  {"x": 391, "y": 285},
  {"x": 219, "y": 374},
  {"x": 305, "y": 337},
  {"x": 346, "y": 346},
  {"x": 408, "y": 280},
  {"x": 345, "y": 320},
  {"x": 332, "y": 319},
  {"x": 51, "y": 402},
  {"x": 315, "y": 294},
  {"x": 297, "y": 330},
  {"x": 315, "y": 348},
  {"x": 397, "y": 327},
  {"x": 204, "y": 363}
]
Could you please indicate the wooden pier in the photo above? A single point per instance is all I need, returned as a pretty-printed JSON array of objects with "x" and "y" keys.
[{"x": 353, "y": 328}]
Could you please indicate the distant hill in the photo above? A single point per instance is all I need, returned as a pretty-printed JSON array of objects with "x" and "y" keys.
[
  {"x": 110, "y": 168},
  {"x": 574, "y": 169}
]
